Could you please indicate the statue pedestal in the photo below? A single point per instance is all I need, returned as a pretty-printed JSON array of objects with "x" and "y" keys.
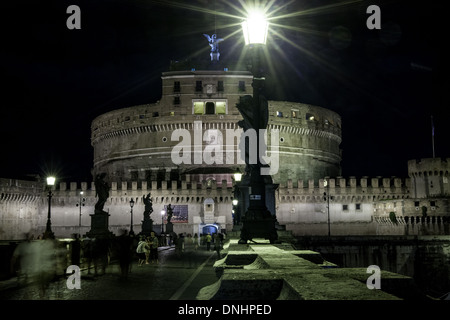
[
  {"x": 169, "y": 227},
  {"x": 258, "y": 223},
  {"x": 99, "y": 226},
  {"x": 147, "y": 227}
]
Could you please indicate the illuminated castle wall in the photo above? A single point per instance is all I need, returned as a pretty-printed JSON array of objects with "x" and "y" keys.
[
  {"x": 357, "y": 206},
  {"x": 134, "y": 147}
]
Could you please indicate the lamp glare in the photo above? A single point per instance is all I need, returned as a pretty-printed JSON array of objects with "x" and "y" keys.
[
  {"x": 51, "y": 181},
  {"x": 255, "y": 28}
]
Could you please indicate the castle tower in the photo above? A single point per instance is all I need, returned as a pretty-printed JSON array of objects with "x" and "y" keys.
[
  {"x": 429, "y": 177},
  {"x": 137, "y": 143}
]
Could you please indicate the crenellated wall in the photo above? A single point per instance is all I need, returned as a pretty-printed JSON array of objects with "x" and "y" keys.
[
  {"x": 429, "y": 177},
  {"x": 359, "y": 206}
]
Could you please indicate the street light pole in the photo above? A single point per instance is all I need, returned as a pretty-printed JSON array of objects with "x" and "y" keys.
[
  {"x": 80, "y": 204},
  {"x": 131, "y": 223},
  {"x": 258, "y": 220},
  {"x": 48, "y": 234},
  {"x": 162, "y": 220},
  {"x": 327, "y": 198}
]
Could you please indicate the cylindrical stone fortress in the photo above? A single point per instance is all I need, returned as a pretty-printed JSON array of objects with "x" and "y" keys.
[{"x": 193, "y": 130}]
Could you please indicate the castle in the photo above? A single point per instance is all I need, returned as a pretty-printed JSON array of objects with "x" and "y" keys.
[{"x": 134, "y": 147}]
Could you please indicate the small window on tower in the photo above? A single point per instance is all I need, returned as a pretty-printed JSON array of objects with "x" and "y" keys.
[
  {"x": 176, "y": 86},
  {"x": 176, "y": 100},
  {"x": 220, "y": 86},
  {"x": 279, "y": 114},
  {"x": 198, "y": 86},
  {"x": 241, "y": 85},
  {"x": 294, "y": 113},
  {"x": 209, "y": 109}
]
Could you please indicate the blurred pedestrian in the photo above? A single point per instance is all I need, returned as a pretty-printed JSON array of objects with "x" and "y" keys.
[
  {"x": 125, "y": 253},
  {"x": 22, "y": 260},
  {"x": 147, "y": 250},
  {"x": 75, "y": 250},
  {"x": 100, "y": 255},
  {"x": 87, "y": 247},
  {"x": 217, "y": 245},
  {"x": 179, "y": 245},
  {"x": 189, "y": 250},
  {"x": 35, "y": 262},
  {"x": 208, "y": 240},
  {"x": 140, "y": 250},
  {"x": 153, "y": 248},
  {"x": 195, "y": 241}
]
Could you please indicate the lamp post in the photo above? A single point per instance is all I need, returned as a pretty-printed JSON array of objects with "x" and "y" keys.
[
  {"x": 257, "y": 220},
  {"x": 48, "y": 234},
  {"x": 131, "y": 223},
  {"x": 80, "y": 204},
  {"x": 236, "y": 197},
  {"x": 326, "y": 196},
  {"x": 163, "y": 212}
]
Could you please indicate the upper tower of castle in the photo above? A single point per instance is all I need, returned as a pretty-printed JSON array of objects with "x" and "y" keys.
[{"x": 429, "y": 177}]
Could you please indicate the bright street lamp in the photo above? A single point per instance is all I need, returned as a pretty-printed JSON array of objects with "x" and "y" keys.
[
  {"x": 48, "y": 234},
  {"x": 255, "y": 28}
]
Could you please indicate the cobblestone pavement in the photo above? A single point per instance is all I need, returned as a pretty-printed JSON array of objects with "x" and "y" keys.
[{"x": 171, "y": 279}]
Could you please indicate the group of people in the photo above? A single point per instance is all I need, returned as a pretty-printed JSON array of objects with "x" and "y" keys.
[
  {"x": 37, "y": 262},
  {"x": 186, "y": 243},
  {"x": 147, "y": 249}
]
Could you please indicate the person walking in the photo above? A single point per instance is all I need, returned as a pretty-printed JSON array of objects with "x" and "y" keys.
[
  {"x": 208, "y": 240},
  {"x": 147, "y": 250},
  {"x": 189, "y": 250},
  {"x": 153, "y": 248},
  {"x": 125, "y": 253},
  {"x": 140, "y": 250},
  {"x": 75, "y": 250},
  {"x": 217, "y": 245},
  {"x": 195, "y": 241}
]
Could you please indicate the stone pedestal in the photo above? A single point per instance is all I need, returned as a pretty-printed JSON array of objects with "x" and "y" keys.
[
  {"x": 147, "y": 227},
  {"x": 258, "y": 223},
  {"x": 169, "y": 227},
  {"x": 99, "y": 226}
]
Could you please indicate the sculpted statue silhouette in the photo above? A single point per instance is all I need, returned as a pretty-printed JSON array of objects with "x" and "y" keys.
[
  {"x": 169, "y": 213},
  {"x": 251, "y": 121},
  {"x": 148, "y": 206},
  {"x": 102, "y": 191}
]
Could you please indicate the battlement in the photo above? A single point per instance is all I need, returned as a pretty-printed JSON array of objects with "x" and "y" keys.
[
  {"x": 333, "y": 183},
  {"x": 429, "y": 167},
  {"x": 366, "y": 188}
]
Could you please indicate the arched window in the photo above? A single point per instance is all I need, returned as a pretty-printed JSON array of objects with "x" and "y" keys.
[{"x": 210, "y": 108}]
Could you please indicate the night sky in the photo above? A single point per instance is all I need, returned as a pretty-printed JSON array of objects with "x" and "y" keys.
[{"x": 386, "y": 84}]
